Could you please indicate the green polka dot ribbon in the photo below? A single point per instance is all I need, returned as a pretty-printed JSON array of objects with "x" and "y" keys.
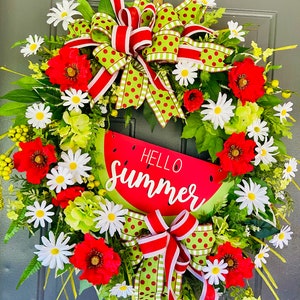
[
  {"x": 138, "y": 36},
  {"x": 154, "y": 247}
]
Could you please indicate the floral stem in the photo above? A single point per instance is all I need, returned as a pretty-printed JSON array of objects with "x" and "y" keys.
[
  {"x": 296, "y": 184},
  {"x": 269, "y": 276},
  {"x": 65, "y": 283},
  {"x": 286, "y": 48},
  {"x": 267, "y": 283},
  {"x": 11, "y": 71}
]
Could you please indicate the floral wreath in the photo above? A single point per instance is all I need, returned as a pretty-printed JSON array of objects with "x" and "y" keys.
[{"x": 168, "y": 62}]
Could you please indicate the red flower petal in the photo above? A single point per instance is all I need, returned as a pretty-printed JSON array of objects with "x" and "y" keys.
[
  {"x": 97, "y": 261},
  {"x": 237, "y": 154},
  {"x": 34, "y": 159},
  {"x": 192, "y": 100},
  {"x": 62, "y": 199},
  {"x": 247, "y": 80},
  {"x": 69, "y": 69}
]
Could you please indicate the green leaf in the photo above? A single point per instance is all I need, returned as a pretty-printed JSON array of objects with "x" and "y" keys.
[
  {"x": 106, "y": 8},
  {"x": 31, "y": 269},
  {"x": 268, "y": 100},
  {"x": 49, "y": 94},
  {"x": 83, "y": 285},
  {"x": 149, "y": 116},
  {"x": 12, "y": 109},
  {"x": 22, "y": 96},
  {"x": 266, "y": 229},
  {"x": 27, "y": 82},
  {"x": 85, "y": 9}
]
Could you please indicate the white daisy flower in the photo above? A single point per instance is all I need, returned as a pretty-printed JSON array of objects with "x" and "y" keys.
[
  {"x": 218, "y": 112},
  {"x": 252, "y": 195},
  {"x": 258, "y": 130},
  {"x": 63, "y": 12},
  {"x": 236, "y": 31},
  {"x": 110, "y": 217},
  {"x": 122, "y": 290},
  {"x": 54, "y": 254},
  {"x": 39, "y": 213},
  {"x": 290, "y": 169},
  {"x": 283, "y": 110},
  {"x": 76, "y": 164},
  {"x": 282, "y": 238},
  {"x": 214, "y": 271},
  {"x": 208, "y": 3},
  {"x": 74, "y": 99},
  {"x": 260, "y": 257},
  {"x": 265, "y": 152},
  {"x": 38, "y": 115},
  {"x": 59, "y": 179},
  {"x": 185, "y": 72},
  {"x": 33, "y": 45}
]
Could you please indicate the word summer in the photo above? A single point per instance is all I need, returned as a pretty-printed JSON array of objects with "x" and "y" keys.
[{"x": 142, "y": 180}]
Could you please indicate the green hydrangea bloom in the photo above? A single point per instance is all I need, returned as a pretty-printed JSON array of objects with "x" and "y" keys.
[
  {"x": 244, "y": 116},
  {"x": 77, "y": 132},
  {"x": 79, "y": 214}
]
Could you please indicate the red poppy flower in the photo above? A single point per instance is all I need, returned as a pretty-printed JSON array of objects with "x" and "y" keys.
[
  {"x": 34, "y": 159},
  {"x": 192, "y": 100},
  {"x": 69, "y": 69},
  {"x": 98, "y": 261},
  {"x": 238, "y": 267},
  {"x": 247, "y": 80},
  {"x": 62, "y": 199},
  {"x": 237, "y": 154}
]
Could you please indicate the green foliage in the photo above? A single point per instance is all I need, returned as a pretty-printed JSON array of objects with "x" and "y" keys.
[
  {"x": 106, "y": 7},
  {"x": 21, "y": 96},
  {"x": 31, "y": 269},
  {"x": 85, "y": 9},
  {"x": 212, "y": 17},
  {"x": 12, "y": 109},
  {"x": 206, "y": 138}
]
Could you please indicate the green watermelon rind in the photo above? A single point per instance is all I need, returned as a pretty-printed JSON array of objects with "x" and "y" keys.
[{"x": 101, "y": 174}]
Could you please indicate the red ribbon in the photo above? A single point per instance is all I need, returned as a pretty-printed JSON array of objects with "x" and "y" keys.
[{"x": 165, "y": 240}]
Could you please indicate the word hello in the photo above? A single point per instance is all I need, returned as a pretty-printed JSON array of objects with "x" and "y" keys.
[
  {"x": 157, "y": 159},
  {"x": 137, "y": 180}
]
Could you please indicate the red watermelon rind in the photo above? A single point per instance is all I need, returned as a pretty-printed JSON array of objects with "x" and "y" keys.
[{"x": 102, "y": 175}]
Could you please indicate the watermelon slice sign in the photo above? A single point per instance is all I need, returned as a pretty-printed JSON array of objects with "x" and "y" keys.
[{"x": 144, "y": 177}]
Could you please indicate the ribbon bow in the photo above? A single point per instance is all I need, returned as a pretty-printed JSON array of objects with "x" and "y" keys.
[
  {"x": 119, "y": 45},
  {"x": 167, "y": 252}
]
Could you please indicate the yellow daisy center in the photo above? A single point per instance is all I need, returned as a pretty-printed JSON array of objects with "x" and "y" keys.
[
  {"x": 289, "y": 169},
  {"x": 39, "y": 213},
  {"x": 283, "y": 112},
  {"x": 264, "y": 152},
  {"x": 218, "y": 110},
  {"x": 251, "y": 196},
  {"x": 111, "y": 217},
  {"x": 123, "y": 288},
  {"x": 256, "y": 129},
  {"x": 60, "y": 179},
  {"x": 184, "y": 73},
  {"x": 73, "y": 165},
  {"x": 76, "y": 99},
  {"x": 39, "y": 115},
  {"x": 64, "y": 14},
  {"x": 54, "y": 251},
  {"x": 215, "y": 270},
  {"x": 260, "y": 255},
  {"x": 281, "y": 236},
  {"x": 33, "y": 47}
]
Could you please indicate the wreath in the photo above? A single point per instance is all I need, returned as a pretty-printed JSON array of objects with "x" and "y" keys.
[{"x": 169, "y": 64}]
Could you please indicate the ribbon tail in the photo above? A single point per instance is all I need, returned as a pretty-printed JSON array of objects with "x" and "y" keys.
[
  {"x": 101, "y": 83},
  {"x": 208, "y": 291}
]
